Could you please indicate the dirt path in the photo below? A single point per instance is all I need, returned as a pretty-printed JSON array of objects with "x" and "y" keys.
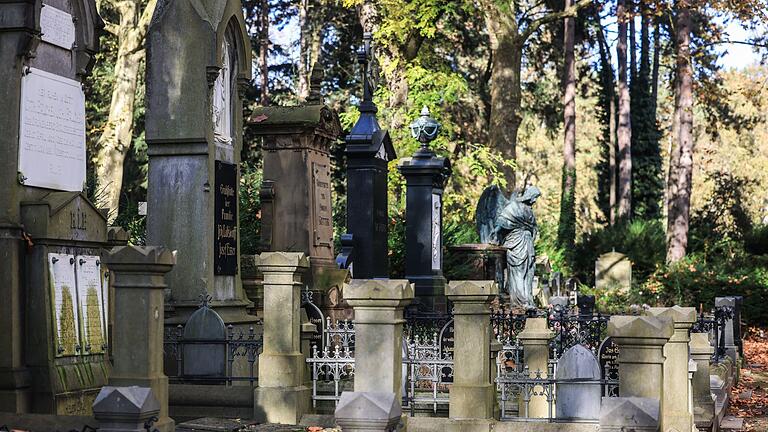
[{"x": 750, "y": 397}]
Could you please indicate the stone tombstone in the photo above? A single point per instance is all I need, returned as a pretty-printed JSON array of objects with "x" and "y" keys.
[
  {"x": 201, "y": 359},
  {"x": 579, "y": 400},
  {"x": 297, "y": 212},
  {"x": 50, "y": 234},
  {"x": 368, "y": 150},
  {"x": 613, "y": 270},
  {"x": 198, "y": 66}
]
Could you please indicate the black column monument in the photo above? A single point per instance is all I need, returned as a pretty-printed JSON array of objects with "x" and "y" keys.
[
  {"x": 425, "y": 175},
  {"x": 369, "y": 149}
]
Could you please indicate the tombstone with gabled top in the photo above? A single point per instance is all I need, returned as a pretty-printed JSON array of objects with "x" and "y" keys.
[{"x": 581, "y": 399}]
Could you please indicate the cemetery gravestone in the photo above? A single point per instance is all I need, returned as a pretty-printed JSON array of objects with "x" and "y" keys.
[
  {"x": 580, "y": 400},
  {"x": 50, "y": 234},
  {"x": 613, "y": 270},
  {"x": 198, "y": 65}
]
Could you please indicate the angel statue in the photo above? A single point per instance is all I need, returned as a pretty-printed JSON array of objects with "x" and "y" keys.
[{"x": 511, "y": 224}]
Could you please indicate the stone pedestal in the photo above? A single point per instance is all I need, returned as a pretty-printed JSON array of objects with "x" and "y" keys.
[
  {"x": 378, "y": 306},
  {"x": 368, "y": 411},
  {"x": 138, "y": 277},
  {"x": 125, "y": 409},
  {"x": 675, "y": 411},
  {"x": 641, "y": 341},
  {"x": 282, "y": 396},
  {"x": 535, "y": 339},
  {"x": 198, "y": 68},
  {"x": 703, "y": 404},
  {"x": 471, "y": 395}
]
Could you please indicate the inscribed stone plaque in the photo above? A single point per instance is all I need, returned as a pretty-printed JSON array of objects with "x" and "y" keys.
[
  {"x": 613, "y": 270},
  {"x": 64, "y": 295},
  {"x": 321, "y": 195},
  {"x": 225, "y": 219},
  {"x": 52, "y": 132},
  {"x": 91, "y": 301},
  {"x": 436, "y": 243},
  {"x": 57, "y": 27}
]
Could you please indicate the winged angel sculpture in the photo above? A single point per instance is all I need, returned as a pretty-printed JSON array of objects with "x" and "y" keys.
[{"x": 511, "y": 224}]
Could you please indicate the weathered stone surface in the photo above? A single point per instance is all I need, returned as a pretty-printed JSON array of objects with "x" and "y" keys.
[
  {"x": 472, "y": 393},
  {"x": 282, "y": 396},
  {"x": 125, "y": 409},
  {"x": 703, "y": 405},
  {"x": 205, "y": 360},
  {"x": 535, "y": 339},
  {"x": 620, "y": 414},
  {"x": 641, "y": 341},
  {"x": 368, "y": 411},
  {"x": 378, "y": 306},
  {"x": 613, "y": 270},
  {"x": 138, "y": 278},
  {"x": 578, "y": 400}
]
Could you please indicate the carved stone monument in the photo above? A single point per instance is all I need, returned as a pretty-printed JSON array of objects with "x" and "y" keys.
[
  {"x": 296, "y": 204},
  {"x": 50, "y": 234},
  {"x": 198, "y": 64}
]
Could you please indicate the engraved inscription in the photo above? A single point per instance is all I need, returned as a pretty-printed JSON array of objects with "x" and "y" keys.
[
  {"x": 65, "y": 311},
  {"x": 321, "y": 195},
  {"x": 436, "y": 243},
  {"x": 52, "y": 132},
  {"x": 90, "y": 296},
  {"x": 57, "y": 27},
  {"x": 225, "y": 220}
]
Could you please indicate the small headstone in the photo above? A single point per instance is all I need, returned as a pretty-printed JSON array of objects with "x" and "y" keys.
[
  {"x": 205, "y": 359},
  {"x": 613, "y": 270},
  {"x": 579, "y": 400}
]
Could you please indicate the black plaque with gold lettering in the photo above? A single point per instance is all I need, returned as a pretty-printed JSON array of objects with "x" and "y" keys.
[{"x": 225, "y": 219}]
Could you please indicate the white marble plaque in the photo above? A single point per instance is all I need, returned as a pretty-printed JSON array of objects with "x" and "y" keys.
[
  {"x": 436, "y": 243},
  {"x": 57, "y": 27},
  {"x": 64, "y": 296},
  {"x": 91, "y": 301},
  {"x": 52, "y": 132}
]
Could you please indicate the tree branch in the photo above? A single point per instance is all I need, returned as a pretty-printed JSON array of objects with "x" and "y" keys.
[
  {"x": 552, "y": 17},
  {"x": 724, "y": 42}
]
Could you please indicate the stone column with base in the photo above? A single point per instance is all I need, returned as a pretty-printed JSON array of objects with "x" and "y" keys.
[
  {"x": 378, "y": 305},
  {"x": 703, "y": 404},
  {"x": 471, "y": 396},
  {"x": 535, "y": 339},
  {"x": 675, "y": 413},
  {"x": 138, "y": 277},
  {"x": 282, "y": 396},
  {"x": 126, "y": 409},
  {"x": 641, "y": 341}
]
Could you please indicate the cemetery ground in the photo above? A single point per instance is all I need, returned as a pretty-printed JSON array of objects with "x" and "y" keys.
[{"x": 750, "y": 397}]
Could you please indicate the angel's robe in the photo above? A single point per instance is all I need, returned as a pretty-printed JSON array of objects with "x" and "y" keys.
[{"x": 517, "y": 224}]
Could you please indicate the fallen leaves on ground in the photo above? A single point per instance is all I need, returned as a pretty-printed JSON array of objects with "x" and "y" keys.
[{"x": 749, "y": 399}]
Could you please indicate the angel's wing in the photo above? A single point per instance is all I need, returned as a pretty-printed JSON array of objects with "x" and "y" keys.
[{"x": 488, "y": 207}]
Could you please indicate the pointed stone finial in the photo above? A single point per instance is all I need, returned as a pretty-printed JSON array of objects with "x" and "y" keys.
[{"x": 315, "y": 84}]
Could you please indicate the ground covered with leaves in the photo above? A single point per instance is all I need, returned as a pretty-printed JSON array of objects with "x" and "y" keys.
[{"x": 749, "y": 399}]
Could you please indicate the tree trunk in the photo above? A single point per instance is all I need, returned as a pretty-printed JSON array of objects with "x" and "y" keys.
[
  {"x": 264, "y": 51},
  {"x": 624, "y": 132},
  {"x": 610, "y": 97},
  {"x": 305, "y": 42},
  {"x": 655, "y": 68},
  {"x": 679, "y": 203},
  {"x": 631, "y": 9},
  {"x": 115, "y": 141},
  {"x": 567, "y": 226}
]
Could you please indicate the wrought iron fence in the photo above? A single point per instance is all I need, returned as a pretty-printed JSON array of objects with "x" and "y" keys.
[
  {"x": 573, "y": 329},
  {"x": 227, "y": 357},
  {"x": 427, "y": 361},
  {"x": 714, "y": 323}
]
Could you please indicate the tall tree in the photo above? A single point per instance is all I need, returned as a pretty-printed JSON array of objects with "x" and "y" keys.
[
  {"x": 117, "y": 136},
  {"x": 566, "y": 234},
  {"x": 607, "y": 179},
  {"x": 263, "y": 36},
  {"x": 624, "y": 131},
  {"x": 681, "y": 163},
  {"x": 509, "y": 27}
]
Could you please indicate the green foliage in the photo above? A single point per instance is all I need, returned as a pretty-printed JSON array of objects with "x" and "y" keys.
[
  {"x": 134, "y": 223},
  {"x": 566, "y": 232},
  {"x": 644, "y": 242},
  {"x": 724, "y": 214},
  {"x": 756, "y": 240},
  {"x": 250, "y": 208},
  {"x": 698, "y": 279}
]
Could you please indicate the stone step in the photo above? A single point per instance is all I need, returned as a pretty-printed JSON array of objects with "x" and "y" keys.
[{"x": 731, "y": 423}]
